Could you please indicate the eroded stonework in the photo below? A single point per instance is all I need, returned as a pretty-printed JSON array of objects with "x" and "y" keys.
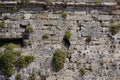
[{"x": 82, "y": 22}]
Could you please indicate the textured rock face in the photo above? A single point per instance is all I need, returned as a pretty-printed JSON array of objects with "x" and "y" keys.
[
  {"x": 82, "y": 22},
  {"x": 82, "y": 54}
]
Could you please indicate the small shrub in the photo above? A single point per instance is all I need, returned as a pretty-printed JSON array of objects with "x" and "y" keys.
[
  {"x": 29, "y": 59},
  {"x": 21, "y": 63},
  {"x": 32, "y": 76},
  {"x": 8, "y": 72},
  {"x": 45, "y": 36},
  {"x": 18, "y": 76},
  {"x": 9, "y": 46},
  {"x": 97, "y": 1},
  {"x": 15, "y": 8},
  {"x": 10, "y": 59},
  {"x": 29, "y": 29},
  {"x": 58, "y": 59},
  {"x": 115, "y": 29},
  {"x": 24, "y": 61},
  {"x": 88, "y": 39},
  {"x": 22, "y": 16},
  {"x": 64, "y": 14},
  {"x": 2, "y": 25},
  {"x": 82, "y": 71},
  {"x": 101, "y": 62},
  {"x": 7, "y": 60},
  {"x": 67, "y": 35}
]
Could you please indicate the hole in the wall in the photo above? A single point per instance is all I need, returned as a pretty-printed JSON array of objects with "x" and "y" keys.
[
  {"x": 66, "y": 42},
  {"x": 18, "y": 41}
]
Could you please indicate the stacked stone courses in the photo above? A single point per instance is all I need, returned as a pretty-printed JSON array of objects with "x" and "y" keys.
[{"x": 102, "y": 51}]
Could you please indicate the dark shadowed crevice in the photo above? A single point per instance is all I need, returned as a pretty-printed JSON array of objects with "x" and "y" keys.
[
  {"x": 18, "y": 41},
  {"x": 66, "y": 43}
]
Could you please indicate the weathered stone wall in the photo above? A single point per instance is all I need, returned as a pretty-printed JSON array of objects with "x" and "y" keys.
[{"x": 82, "y": 22}]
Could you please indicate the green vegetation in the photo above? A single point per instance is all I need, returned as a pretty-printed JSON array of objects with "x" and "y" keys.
[
  {"x": 64, "y": 14},
  {"x": 82, "y": 71},
  {"x": 21, "y": 62},
  {"x": 101, "y": 62},
  {"x": 18, "y": 76},
  {"x": 91, "y": 68},
  {"x": 88, "y": 39},
  {"x": 18, "y": 53},
  {"x": 9, "y": 46},
  {"x": 27, "y": 42},
  {"x": 7, "y": 61},
  {"x": 22, "y": 16},
  {"x": 2, "y": 25},
  {"x": 25, "y": 1},
  {"x": 29, "y": 29},
  {"x": 58, "y": 59},
  {"x": 115, "y": 29},
  {"x": 24, "y": 61},
  {"x": 97, "y": 1},
  {"x": 45, "y": 36},
  {"x": 15, "y": 8},
  {"x": 67, "y": 35},
  {"x": 10, "y": 59},
  {"x": 32, "y": 76}
]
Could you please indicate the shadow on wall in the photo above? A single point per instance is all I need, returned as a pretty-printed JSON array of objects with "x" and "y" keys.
[
  {"x": 66, "y": 43},
  {"x": 18, "y": 41}
]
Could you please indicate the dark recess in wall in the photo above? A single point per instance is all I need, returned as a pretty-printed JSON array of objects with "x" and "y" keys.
[{"x": 18, "y": 41}]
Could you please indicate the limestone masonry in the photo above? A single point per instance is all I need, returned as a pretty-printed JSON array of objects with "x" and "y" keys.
[{"x": 91, "y": 42}]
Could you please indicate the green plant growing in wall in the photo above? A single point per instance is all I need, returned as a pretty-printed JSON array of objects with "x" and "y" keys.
[
  {"x": 18, "y": 76},
  {"x": 2, "y": 25},
  {"x": 7, "y": 61},
  {"x": 88, "y": 39},
  {"x": 24, "y": 61},
  {"x": 82, "y": 71},
  {"x": 64, "y": 14},
  {"x": 29, "y": 29},
  {"x": 15, "y": 8},
  {"x": 114, "y": 29},
  {"x": 97, "y": 1},
  {"x": 101, "y": 62},
  {"x": 32, "y": 76},
  {"x": 58, "y": 59},
  {"x": 67, "y": 35},
  {"x": 9, "y": 46},
  {"x": 22, "y": 16},
  {"x": 45, "y": 36}
]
